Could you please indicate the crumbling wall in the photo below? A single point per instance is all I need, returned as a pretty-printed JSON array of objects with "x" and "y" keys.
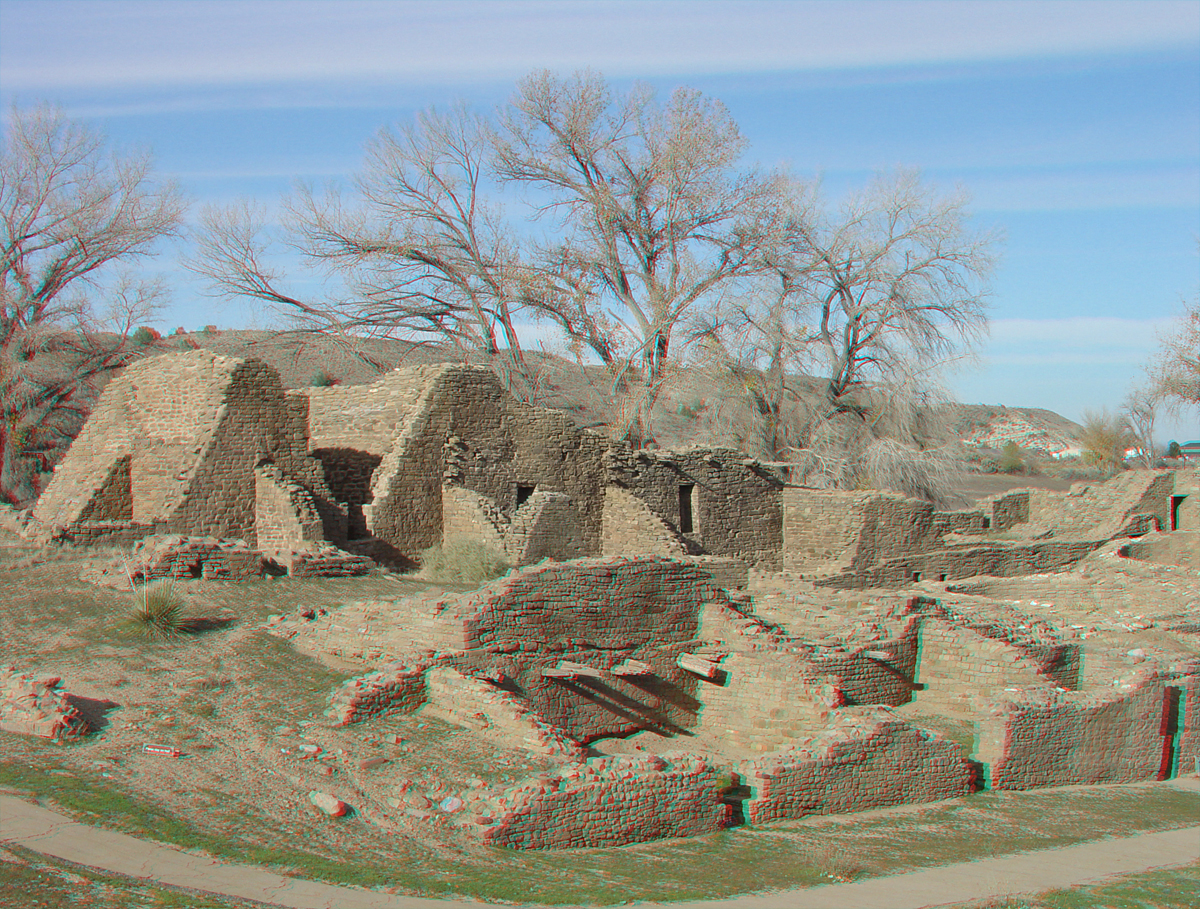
[
  {"x": 593, "y": 613},
  {"x": 858, "y": 763},
  {"x": 1009, "y": 510},
  {"x": 608, "y": 802},
  {"x": 958, "y": 667},
  {"x": 631, "y": 528},
  {"x": 830, "y": 532},
  {"x": 465, "y": 513},
  {"x": 193, "y": 426},
  {"x": 170, "y": 556},
  {"x": 285, "y": 515},
  {"x": 1000, "y": 559},
  {"x": 734, "y": 503},
  {"x": 32, "y": 705},
  {"x": 1052, "y": 738},
  {"x": 494, "y": 713},
  {"x": 398, "y": 687},
  {"x": 1102, "y": 510}
]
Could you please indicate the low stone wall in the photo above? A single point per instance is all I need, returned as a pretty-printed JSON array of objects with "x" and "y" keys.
[
  {"x": 1054, "y": 738},
  {"x": 322, "y": 560},
  {"x": 494, "y": 713},
  {"x": 395, "y": 688},
  {"x": 1185, "y": 714},
  {"x": 606, "y": 802},
  {"x": 861, "y": 762},
  {"x": 32, "y": 705},
  {"x": 179, "y": 557}
]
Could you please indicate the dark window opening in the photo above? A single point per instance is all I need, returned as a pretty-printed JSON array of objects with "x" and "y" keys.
[
  {"x": 942, "y": 578},
  {"x": 1175, "y": 502},
  {"x": 987, "y": 523},
  {"x": 916, "y": 576},
  {"x": 523, "y": 494},
  {"x": 686, "y": 522}
]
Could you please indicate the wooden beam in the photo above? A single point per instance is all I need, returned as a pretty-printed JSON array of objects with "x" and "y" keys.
[
  {"x": 704, "y": 666},
  {"x": 632, "y": 668}
]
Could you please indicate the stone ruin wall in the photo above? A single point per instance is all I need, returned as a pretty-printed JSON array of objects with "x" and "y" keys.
[
  {"x": 191, "y": 427},
  {"x": 736, "y": 504},
  {"x": 631, "y": 528},
  {"x": 858, "y": 763},
  {"x": 1050, "y": 738},
  {"x": 607, "y": 802},
  {"x": 1102, "y": 510},
  {"x": 827, "y": 532}
]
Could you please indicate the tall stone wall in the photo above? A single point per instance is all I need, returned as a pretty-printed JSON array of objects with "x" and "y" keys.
[
  {"x": 192, "y": 427},
  {"x": 735, "y": 504}
]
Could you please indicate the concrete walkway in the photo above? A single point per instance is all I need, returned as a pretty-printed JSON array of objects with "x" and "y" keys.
[{"x": 51, "y": 834}]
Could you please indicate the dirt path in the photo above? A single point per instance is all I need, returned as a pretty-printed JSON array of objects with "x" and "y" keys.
[{"x": 52, "y": 834}]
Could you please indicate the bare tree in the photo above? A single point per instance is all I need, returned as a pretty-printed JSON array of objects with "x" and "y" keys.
[
  {"x": 654, "y": 211},
  {"x": 1105, "y": 437},
  {"x": 420, "y": 253},
  {"x": 1140, "y": 412},
  {"x": 1175, "y": 369},
  {"x": 898, "y": 278},
  {"x": 71, "y": 212}
]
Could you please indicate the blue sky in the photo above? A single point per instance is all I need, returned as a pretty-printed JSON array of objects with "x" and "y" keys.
[{"x": 1073, "y": 126}]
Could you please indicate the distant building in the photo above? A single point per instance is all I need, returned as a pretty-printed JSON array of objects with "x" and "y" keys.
[{"x": 1190, "y": 450}]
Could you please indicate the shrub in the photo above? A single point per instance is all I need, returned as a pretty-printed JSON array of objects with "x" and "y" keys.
[
  {"x": 158, "y": 611},
  {"x": 145, "y": 335},
  {"x": 1104, "y": 438},
  {"x": 1012, "y": 460},
  {"x": 1174, "y": 450},
  {"x": 322, "y": 379},
  {"x": 463, "y": 560},
  {"x": 929, "y": 474}
]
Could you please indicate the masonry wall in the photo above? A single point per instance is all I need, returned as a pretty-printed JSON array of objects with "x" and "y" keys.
[
  {"x": 632, "y": 529},
  {"x": 607, "y": 802},
  {"x": 958, "y": 668},
  {"x": 192, "y": 427},
  {"x": 1102, "y": 510},
  {"x": 1050, "y": 738},
  {"x": 736, "y": 505},
  {"x": 828, "y": 532},
  {"x": 285, "y": 515},
  {"x": 595, "y": 612},
  {"x": 859, "y": 763},
  {"x": 1005, "y": 559}
]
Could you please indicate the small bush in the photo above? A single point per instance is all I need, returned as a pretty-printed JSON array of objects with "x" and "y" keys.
[
  {"x": 1174, "y": 450},
  {"x": 463, "y": 560},
  {"x": 158, "y": 611},
  {"x": 1104, "y": 438},
  {"x": 210, "y": 329},
  {"x": 145, "y": 336},
  {"x": 322, "y": 379},
  {"x": 1012, "y": 459}
]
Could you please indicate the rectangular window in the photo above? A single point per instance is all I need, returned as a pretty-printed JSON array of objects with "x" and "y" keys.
[
  {"x": 686, "y": 520},
  {"x": 523, "y": 494},
  {"x": 1176, "y": 501}
]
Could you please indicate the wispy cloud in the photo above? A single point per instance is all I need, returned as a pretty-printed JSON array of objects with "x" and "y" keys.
[{"x": 49, "y": 44}]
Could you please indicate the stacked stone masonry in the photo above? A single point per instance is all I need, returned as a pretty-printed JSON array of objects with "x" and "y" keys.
[
  {"x": 32, "y": 705},
  {"x": 860, "y": 762}
]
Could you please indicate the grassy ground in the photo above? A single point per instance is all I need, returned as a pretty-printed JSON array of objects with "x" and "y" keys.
[
  {"x": 1174, "y": 889},
  {"x": 797, "y": 853},
  {"x": 33, "y": 881}
]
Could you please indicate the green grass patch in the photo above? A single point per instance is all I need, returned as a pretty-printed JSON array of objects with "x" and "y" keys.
[
  {"x": 1168, "y": 889},
  {"x": 463, "y": 560}
]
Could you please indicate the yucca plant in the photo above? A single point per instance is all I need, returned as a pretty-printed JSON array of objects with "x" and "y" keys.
[{"x": 158, "y": 610}]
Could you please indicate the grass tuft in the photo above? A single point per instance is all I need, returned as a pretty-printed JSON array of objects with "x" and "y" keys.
[
  {"x": 463, "y": 560},
  {"x": 158, "y": 611}
]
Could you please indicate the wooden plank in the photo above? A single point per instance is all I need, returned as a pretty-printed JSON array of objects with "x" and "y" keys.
[
  {"x": 632, "y": 668},
  {"x": 702, "y": 666}
]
